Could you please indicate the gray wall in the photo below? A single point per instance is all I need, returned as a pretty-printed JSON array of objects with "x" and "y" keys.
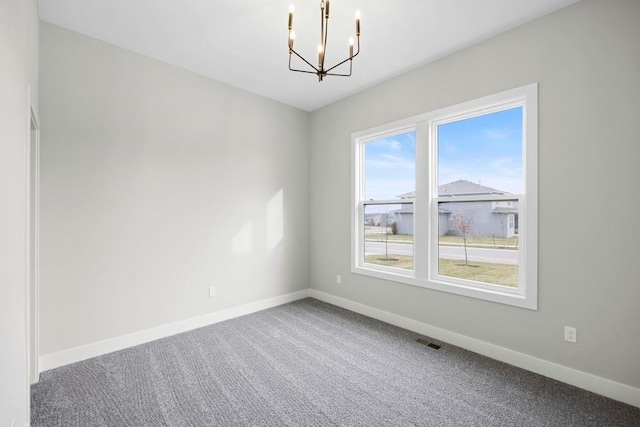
[
  {"x": 587, "y": 63},
  {"x": 18, "y": 70},
  {"x": 156, "y": 184},
  {"x": 484, "y": 221}
]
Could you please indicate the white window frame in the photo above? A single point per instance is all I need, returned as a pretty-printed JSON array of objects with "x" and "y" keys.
[{"x": 425, "y": 204}]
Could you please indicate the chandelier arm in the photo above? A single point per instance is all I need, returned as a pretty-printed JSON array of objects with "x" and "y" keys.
[
  {"x": 307, "y": 62},
  {"x": 339, "y": 64},
  {"x": 304, "y": 71},
  {"x": 348, "y": 59},
  {"x": 342, "y": 74}
]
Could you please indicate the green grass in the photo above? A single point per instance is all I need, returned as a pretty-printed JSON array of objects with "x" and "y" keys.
[
  {"x": 397, "y": 261},
  {"x": 380, "y": 237},
  {"x": 497, "y": 274}
]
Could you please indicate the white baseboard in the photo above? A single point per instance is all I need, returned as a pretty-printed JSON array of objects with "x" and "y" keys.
[
  {"x": 583, "y": 380},
  {"x": 586, "y": 381},
  {"x": 76, "y": 354}
]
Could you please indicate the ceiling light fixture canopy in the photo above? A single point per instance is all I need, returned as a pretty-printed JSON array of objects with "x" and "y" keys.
[{"x": 320, "y": 70}]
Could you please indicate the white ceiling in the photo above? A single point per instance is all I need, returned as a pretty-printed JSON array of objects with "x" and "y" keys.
[{"x": 244, "y": 42}]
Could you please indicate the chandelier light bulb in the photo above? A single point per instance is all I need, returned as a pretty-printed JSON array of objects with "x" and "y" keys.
[
  {"x": 291, "y": 8},
  {"x": 292, "y": 38}
]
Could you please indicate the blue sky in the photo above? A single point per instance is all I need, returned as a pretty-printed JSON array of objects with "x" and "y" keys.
[
  {"x": 485, "y": 149},
  {"x": 390, "y": 168}
]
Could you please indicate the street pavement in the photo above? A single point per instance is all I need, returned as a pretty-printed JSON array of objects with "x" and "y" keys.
[{"x": 496, "y": 256}]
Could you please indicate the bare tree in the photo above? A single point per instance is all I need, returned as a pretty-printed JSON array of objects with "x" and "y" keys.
[
  {"x": 386, "y": 236},
  {"x": 462, "y": 225}
]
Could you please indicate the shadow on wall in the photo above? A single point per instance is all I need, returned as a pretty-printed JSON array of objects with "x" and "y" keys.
[
  {"x": 242, "y": 242},
  {"x": 275, "y": 220}
]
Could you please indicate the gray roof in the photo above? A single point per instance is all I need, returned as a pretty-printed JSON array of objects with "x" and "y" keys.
[
  {"x": 461, "y": 187},
  {"x": 409, "y": 195},
  {"x": 466, "y": 188}
]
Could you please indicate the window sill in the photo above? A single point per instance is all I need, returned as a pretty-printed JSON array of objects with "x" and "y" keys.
[{"x": 507, "y": 297}]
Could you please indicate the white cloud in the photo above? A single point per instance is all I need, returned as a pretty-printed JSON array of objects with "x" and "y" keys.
[
  {"x": 388, "y": 188},
  {"x": 496, "y": 134},
  {"x": 387, "y": 161},
  {"x": 499, "y": 173}
]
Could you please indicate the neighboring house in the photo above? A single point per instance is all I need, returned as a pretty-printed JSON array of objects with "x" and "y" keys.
[
  {"x": 403, "y": 218},
  {"x": 378, "y": 219},
  {"x": 490, "y": 218}
]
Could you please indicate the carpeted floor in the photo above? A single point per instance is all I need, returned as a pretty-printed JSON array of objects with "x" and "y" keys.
[{"x": 309, "y": 364}]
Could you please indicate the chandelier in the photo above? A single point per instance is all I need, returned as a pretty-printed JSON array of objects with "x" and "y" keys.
[{"x": 321, "y": 70}]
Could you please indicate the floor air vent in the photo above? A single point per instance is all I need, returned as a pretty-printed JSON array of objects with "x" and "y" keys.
[{"x": 428, "y": 344}]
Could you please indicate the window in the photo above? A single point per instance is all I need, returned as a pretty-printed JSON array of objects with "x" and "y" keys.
[
  {"x": 448, "y": 200},
  {"x": 389, "y": 183}
]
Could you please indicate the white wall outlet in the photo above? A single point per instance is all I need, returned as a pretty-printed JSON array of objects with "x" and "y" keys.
[
  {"x": 570, "y": 334},
  {"x": 338, "y": 279},
  {"x": 212, "y": 291}
]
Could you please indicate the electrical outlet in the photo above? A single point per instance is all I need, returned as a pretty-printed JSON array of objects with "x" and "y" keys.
[
  {"x": 570, "y": 334},
  {"x": 212, "y": 291},
  {"x": 338, "y": 279}
]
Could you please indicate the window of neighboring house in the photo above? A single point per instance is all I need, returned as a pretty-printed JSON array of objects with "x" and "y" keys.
[{"x": 448, "y": 200}]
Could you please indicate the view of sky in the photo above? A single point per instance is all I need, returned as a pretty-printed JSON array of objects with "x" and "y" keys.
[
  {"x": 485, "y": 149},
  {"x": 390, "y": 167}
]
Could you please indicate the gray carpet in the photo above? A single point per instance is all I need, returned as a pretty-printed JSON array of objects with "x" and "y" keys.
[{"x": 309, "y": 364}]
